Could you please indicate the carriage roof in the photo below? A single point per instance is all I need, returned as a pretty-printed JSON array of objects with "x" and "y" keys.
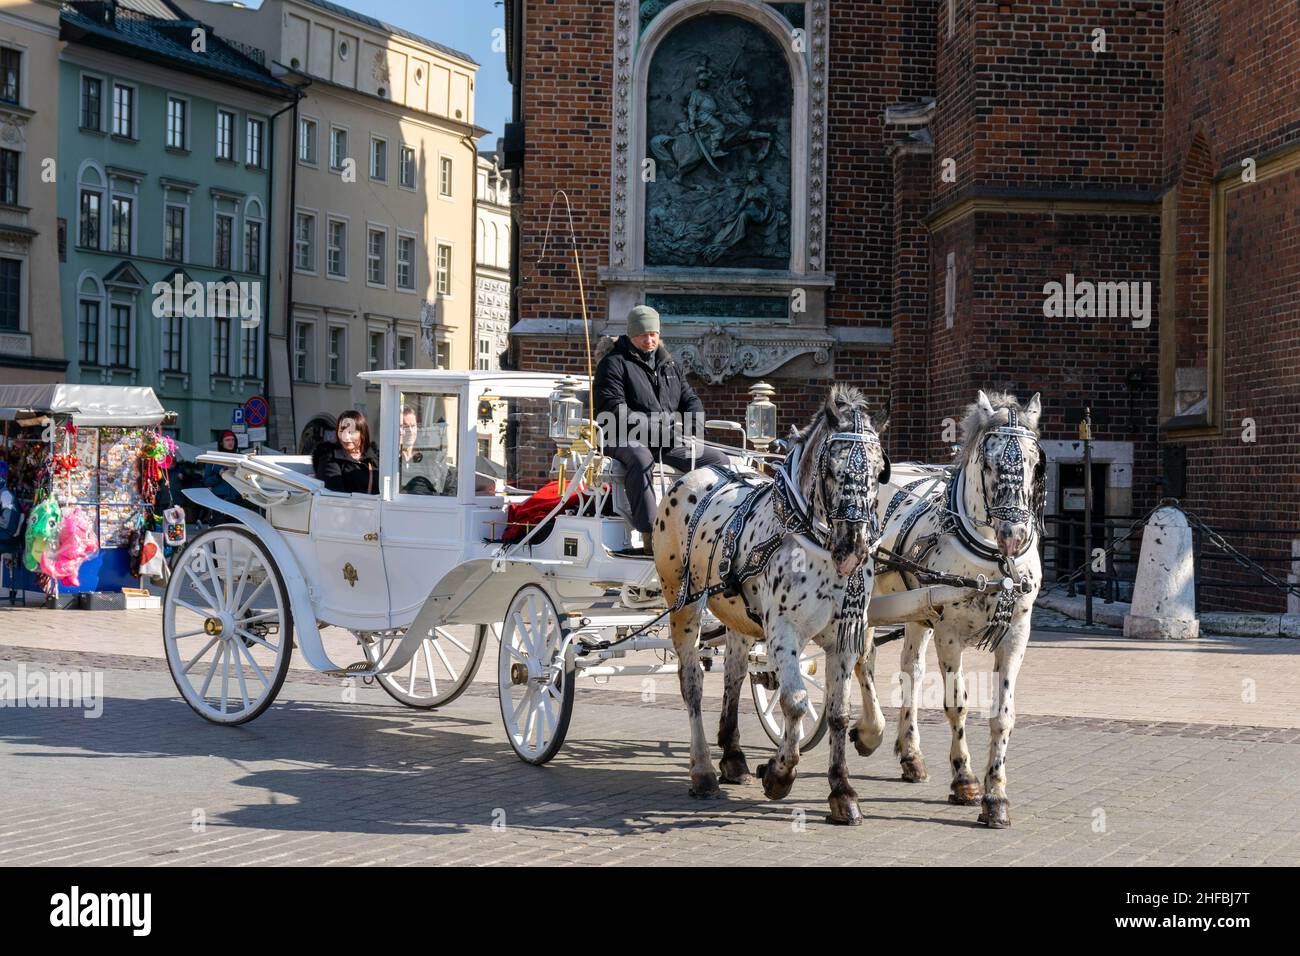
[{"x": 529, "y": 383}]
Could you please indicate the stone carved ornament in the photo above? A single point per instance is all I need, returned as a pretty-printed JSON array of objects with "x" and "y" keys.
[{"x": 717, "y": 355}]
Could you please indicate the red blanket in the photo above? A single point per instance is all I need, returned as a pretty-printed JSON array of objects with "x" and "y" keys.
[{"x": 527, "y": 513}]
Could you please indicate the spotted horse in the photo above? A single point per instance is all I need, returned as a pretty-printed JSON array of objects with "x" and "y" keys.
[
  {"x": 787, "y": 559},
  {"x": 977, "y": 520}
]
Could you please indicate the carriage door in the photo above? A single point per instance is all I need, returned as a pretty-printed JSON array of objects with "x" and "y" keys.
[
  {"x": 350, "y": 585},
  {"x": 1069, "y": 508},
  {"x": 424, "y": 530}
]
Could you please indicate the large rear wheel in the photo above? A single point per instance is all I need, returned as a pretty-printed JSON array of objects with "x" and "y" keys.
[{"x": 227, "y": 626}]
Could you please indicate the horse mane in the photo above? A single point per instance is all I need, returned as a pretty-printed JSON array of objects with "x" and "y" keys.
[
  {"x": 974, "y": 426},
  {"x": 844, "y": 400}
]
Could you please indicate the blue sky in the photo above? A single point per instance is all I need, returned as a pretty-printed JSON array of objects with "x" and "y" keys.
[{"x": 464, "y": 25}]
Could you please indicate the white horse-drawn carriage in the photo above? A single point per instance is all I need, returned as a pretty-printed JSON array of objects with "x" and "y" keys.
[{"x": 423, "y": 572}]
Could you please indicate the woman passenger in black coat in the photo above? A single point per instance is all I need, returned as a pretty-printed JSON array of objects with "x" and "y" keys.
[{"x": 351, "y": 465}]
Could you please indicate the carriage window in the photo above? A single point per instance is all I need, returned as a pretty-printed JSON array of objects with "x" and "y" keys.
[
  {"x": 514, "y": 450},
  {"x": 427, "y": 433}
]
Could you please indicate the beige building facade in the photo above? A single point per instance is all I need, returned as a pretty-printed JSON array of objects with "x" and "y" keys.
[
  {"x": 492, "y": 275},
  {"x": 376, "y": 255},
  {"x": 31, "y": 329}
]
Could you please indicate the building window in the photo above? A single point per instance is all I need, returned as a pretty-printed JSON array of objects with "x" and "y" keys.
[
  {"x": 173, "y": 342},
  {"x": 223, "y": 244},
  {"x": 11, "y": 275},
  {"x": 484, "y": 362},
  {"x": 9, "y": 177},
  {"x": 248, "y": 352},
  {"x": 119, "y": 335},
  {"x": 336, "y": 248},
  {"x": 378, "y": 159},
  {"x": 307, "y": 140},
  {"x": 405, "y": 351},
  {"x": 338, "y": 147},
  {"x": 11, "y": 75},
  {"x": 376, "y": 241},
  {"x": 303, "y": 358},
  {"x": 252, "y": 246},
  {"x": 444, "y": 269},
  {"x": 88, "y": 234},
  {"x": 120, "y": 224},
  {"x": 221, "y": 345},
  {"x": 444, "y": 355},
  {"x": 406, "y": 262},
  {"x": 950, "y": 291},
  {"x": 254, "y": 144},
  {"x": 177, "y": 123},
  {"x": 174, "y": 234},
  {"x": 225, "y": 135},
  {"x": 337, "y": 355},
  {"x": 375, "y": 351},
  {"x": 92, "y": 92},
  {"x": 88, "y": 333},
  {"x": 304, "y": 242},
  {"x": 123, "y": 110},
  {"x": 407, "y": 167},
  {"x": 444, "y": 176}
]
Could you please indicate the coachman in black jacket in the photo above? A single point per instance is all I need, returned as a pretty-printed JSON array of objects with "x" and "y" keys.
[{"x": 636, "y": 382}]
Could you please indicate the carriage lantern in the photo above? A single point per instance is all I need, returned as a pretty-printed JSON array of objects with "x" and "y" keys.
[
  {"x": 760, "y": 416},
  {"x": 566, "y": 412}
]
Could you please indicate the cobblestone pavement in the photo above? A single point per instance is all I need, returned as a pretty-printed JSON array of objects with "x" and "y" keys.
[{"x": 1110, "y": 764}]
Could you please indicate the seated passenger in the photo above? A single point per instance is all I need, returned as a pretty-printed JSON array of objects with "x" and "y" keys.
[
  {"x": 421, "y": 472},
  {"x": 351, "y": 465}
]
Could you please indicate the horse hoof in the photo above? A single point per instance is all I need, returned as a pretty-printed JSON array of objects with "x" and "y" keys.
[
  {"x": 914, "y": 769},
  {"x": 995, "y": 813},
  {"x": 844, "y": 811},
  {"x": 736, "y": 772},
  {"x": 965, "y": 793},
  {"x": 704, "y": 786},
  {"x": 859, "y": 745},
  {"x": 775, "y": 787}
]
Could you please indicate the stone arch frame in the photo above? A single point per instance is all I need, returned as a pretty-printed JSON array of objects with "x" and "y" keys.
[{"x": 809, "y": 76}]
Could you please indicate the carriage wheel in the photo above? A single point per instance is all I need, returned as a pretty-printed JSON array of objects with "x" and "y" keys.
[
  {"x": 227, "y": 626},
  {"x": 440, "y": 670},
  {"x": 535, "y": 676},
  {"x": 767, "y": 698}
]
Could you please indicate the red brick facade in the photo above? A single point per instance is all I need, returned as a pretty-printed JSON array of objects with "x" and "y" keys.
[{"x": 1108, "y": 165}]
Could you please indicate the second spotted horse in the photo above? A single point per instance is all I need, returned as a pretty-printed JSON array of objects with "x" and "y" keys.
[
  {"x": 944, "y": 529},
  {"x": 786, "y": 559}
]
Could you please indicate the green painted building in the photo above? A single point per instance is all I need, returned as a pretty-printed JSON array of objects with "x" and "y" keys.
[{"x": 165, "y": 176}]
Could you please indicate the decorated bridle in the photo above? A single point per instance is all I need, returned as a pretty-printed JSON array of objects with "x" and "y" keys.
[
  {"x": 1010, "y": 467},
  {"x": 855, "y": 503}
]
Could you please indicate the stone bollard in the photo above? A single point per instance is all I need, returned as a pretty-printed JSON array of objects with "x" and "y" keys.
[{"x": 1164, "y": 593}]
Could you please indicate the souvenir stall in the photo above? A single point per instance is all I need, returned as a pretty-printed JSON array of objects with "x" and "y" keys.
[{"x": 82, "y": 467}]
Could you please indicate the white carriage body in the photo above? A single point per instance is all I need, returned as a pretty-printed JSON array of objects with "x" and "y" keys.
[{"x": 371, "y": 563}]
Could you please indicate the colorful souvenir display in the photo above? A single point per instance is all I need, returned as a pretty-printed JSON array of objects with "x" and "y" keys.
[
  {"x": 77, "y": 543},
  {"x": 42, "y": 532}
]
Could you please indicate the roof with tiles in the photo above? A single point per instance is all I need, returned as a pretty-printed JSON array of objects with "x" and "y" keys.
[{"x": 158, "y": 31}]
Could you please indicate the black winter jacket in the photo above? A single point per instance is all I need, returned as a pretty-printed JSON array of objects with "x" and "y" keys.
[
  {"x": 340, "y": 472},
  {"x": 624, "y": 378}
]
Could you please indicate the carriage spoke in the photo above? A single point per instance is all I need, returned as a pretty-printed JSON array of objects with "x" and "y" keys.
[
  {"x": 447, "y": 663},
  {"x": 212, "y": 669},
  {"x": 177, "y": 637},
  {"x": 240, "y": 611},
  {"x": 225, "y": 676},
  {"x": 428, "y": 662},
  {"x": 212, "y": 576},
  {"x": 253, "y": 618},
  {"x": 253, "y": 662},
  {"x": 239, "y": 673},
  {"x": 410, "y": 676},
  {"x": 199, "y": 586},
  {"x": 440, "y": 634},
  {"x": 250, "y": 636},
  {"x": 194, "y": 660}
]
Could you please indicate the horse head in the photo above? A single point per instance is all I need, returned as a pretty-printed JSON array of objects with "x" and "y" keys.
[
  {"x": 1005, "y": 466},
  {"x": 842, "y": 462}
]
